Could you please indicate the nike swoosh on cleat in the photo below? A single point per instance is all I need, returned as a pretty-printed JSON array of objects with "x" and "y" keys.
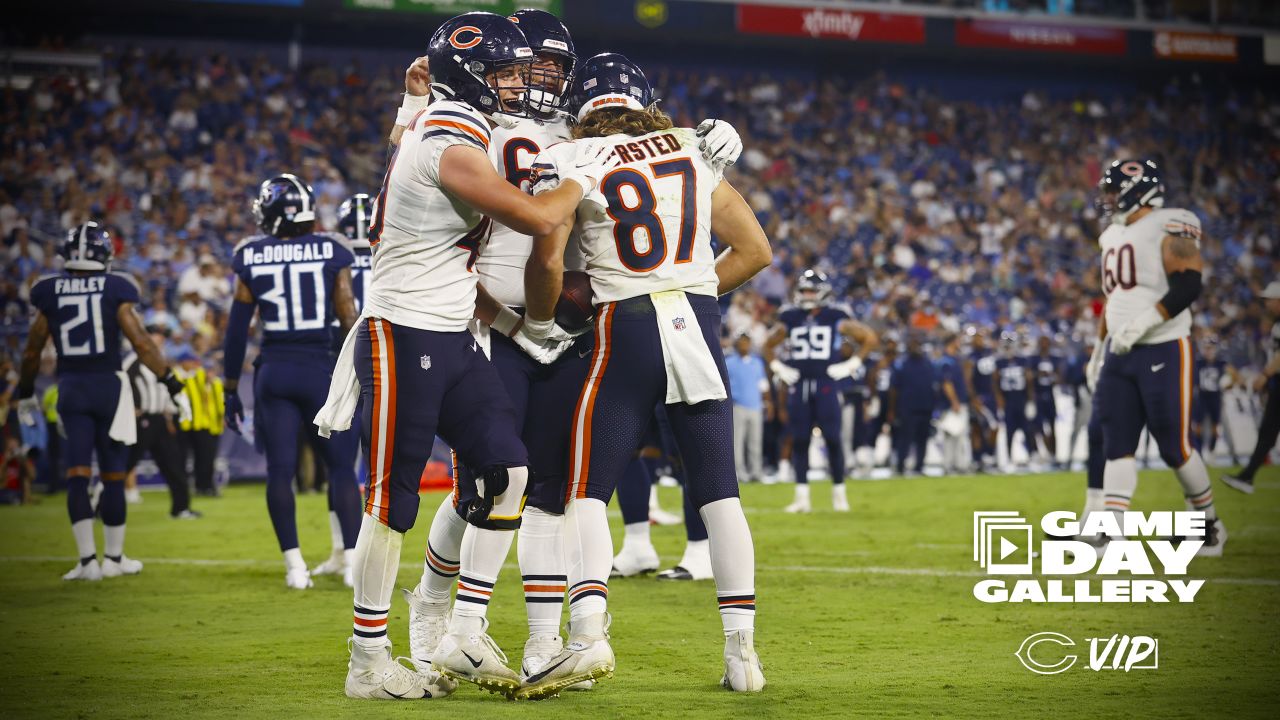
[
  {"x": 537, "y": 677},
  {"x": 474, "y": 663}
]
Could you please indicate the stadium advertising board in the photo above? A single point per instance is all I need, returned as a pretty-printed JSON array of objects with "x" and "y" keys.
[
  {"x": 1040, "y": 36},
  {"x": 453, "y": 7},
  {"x": 1171, "y": 45},
  {"x": 821, "y": 22}
]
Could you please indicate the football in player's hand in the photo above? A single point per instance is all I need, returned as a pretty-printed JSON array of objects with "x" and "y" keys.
[{"x": 576, "y": 308}]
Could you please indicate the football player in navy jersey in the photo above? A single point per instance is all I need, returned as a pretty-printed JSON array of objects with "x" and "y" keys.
[
  {"x": 297, "y": 281},
  {"x": 354, "y": 215},
  {"x": 984, "y": 423},
  {"x": 1013, "y": 380},
  {"x": 85, "y": 308},
  {"x": 812, "y": 330},
  {"x": 1213, "y": 375},
  {"x": 1047, "y": 367}
]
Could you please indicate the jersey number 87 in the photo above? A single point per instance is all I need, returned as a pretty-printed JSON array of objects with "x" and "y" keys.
[{"x": 630, "y": 218}]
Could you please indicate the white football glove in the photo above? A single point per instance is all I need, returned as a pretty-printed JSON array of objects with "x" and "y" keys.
[
  {"x": 590, "y": 162},
  {"x": 842, "y": 370},
  {"x": 784, "y": 372},
  {"x": 183, "y": 403},
  {"x": 545, "y": 349},
  {"x": 28, "y": 411},
  {"x": 1093, "y": 368},
  {"x": 721, "y": 145},
  {"x": 1132, "y": 332}
]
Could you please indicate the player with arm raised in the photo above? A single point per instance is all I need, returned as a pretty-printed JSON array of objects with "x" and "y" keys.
[
  {"x": 531, "y": 383},
  {"x": 646, "y": 236},
  {"x": 297, "y": 281},
  {"x": 418, "y": 369},
  {"x": 86, "y": 308},
  {"x": 812, "y": 330},
  {"x": 1151, "y": 268}
]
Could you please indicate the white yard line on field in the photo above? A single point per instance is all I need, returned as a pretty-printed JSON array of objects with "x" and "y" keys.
[{"x": 816, "y": 569}]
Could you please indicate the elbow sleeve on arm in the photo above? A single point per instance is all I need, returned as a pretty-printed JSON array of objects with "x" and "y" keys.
[
  {"x": 237, "y": 339},
  {"x": 1184, "y": 288}
]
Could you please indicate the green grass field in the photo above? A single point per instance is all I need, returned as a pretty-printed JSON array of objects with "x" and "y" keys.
[{"x": 869, "y": 614}]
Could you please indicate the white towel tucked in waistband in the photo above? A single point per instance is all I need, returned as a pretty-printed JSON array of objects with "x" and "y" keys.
[
  {"x": 692, "y": 375},
  {"x": 124, "y": 425},
  {"x": 344, "y": 388}
]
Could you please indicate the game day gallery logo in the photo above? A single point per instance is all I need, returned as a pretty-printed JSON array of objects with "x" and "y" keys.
[{"x": 1144, "y": 561}]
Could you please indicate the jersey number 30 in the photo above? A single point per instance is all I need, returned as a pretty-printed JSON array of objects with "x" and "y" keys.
[{"x": 628, "y": 219}]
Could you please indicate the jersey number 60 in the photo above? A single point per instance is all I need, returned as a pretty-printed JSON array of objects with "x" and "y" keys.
[{"x": 643, "y": 214}]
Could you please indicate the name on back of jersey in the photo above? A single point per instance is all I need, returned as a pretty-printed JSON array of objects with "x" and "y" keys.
[
  {"x": 648, "y": 147},
  {"x": 72, "y": 285},
  {"x": 287, "y": 252}
]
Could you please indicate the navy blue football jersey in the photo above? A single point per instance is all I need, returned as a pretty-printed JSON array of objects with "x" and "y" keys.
[
  {"x": 1046, "y": 369},
  {"x": 292, "y": 282},
  {"x": 1211, "y": 374},
  {"x": 1012, "y": 372},
  {"x": 983, "y": 374},
  {"x": 813, "y": 339},
  {"x": 82, "y": 313},
  {"x": 951, "y": 369}
]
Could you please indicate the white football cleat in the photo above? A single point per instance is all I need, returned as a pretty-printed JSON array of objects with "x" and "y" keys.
[
  {"x": 538, "y": 651},
  {"x": 588, "y": 656},
  {"x": 636, "y": 558},
  {"x": 742, "y": 669},
  {"x": 375, "y": 676},
  {"x": 839, "y": 498},
  {"x": 133, "y": 496},
  {"x": 658, "y": 516},
  {"x": 1215, "y": 536},
  {"x": 336, "y": 563},
  {"x": 475, "y": 658},
  {"x": 89, "y": 571},
  {"x": 801, "y": 504},
  {"x": 297, "y": 579},
  {"x": 428, "y": 622},
  {"x": 695, "y": 564},
  {"x": 124, "y": 566}
]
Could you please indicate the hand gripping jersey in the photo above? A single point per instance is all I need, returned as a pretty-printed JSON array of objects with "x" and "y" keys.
[
  {"x": 425, "y": 241},
  {"x": 292, "y": 281},
  {"x": 813, "y": 339},
  {"x": 1133, "y": 274},
  {"x": 501, "y": 267},
  {"x": 646, "y": 228},
  {"x": 81, "y": 311}
]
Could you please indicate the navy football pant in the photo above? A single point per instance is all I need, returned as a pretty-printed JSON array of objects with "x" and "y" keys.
[
  {"x": 287, "y": 394},
  {"x": 912, "y": 438},
  {"x": 416, "y": 384},
  {"x": 1015, "y": 419},
  {"x": 627, "y": 379},
  {"x": 809, "y": 403},
  {"x": 86, "y": 406},
  {"x": 1151, "y": 387}
]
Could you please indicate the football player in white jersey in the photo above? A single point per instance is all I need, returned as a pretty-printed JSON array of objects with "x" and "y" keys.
[
  {"x": 1151, "y": 267},
  {"x": 550, "y": 389},
  {"x": 646, "y": 236},
  {"x": 418, "y": 370}
]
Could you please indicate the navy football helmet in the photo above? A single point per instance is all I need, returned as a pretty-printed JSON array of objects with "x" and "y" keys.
[
  {"x": 1127, "y": 185},
  {"x": 353, "y": 218},
  {"x": 88, "y": 247},
  {"x": 284, "y": 204},
  {"x": 549, "y": 39},
  {"x": 609, "y": 80},
  {"x": 812, "y": 289},
  {"x": 466, "y": 52}
]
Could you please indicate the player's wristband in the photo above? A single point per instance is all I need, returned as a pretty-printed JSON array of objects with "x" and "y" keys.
[
  {"x": 171, "y": 383},
  {"x": 538, "y": 329},
  {"x": 506, "y": 322},
  {"x": 409, "y": 107}
]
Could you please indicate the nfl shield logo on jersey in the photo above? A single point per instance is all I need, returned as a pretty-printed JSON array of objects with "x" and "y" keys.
[
  {"x": 425, "y": 362},
  {"x": 678, "y": 323}
]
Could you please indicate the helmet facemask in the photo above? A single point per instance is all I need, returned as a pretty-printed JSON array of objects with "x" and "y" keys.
[{"x": 549, "y": 78}]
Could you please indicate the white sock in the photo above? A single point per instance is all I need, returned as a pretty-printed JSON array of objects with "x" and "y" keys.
[
  {"x": 444, "y": 545},
  {"x": 483, "y": 553},
  {"x": 335, "y": 534},
  {"x": 588, "y": 551},
  {"x": 541, "y": 555},
  {"x": 802, "y": 492},
  {"x": 653, "y": 497},
  {"x": 113, "y": 541},
  {"x": 1119, "y": 482},
  {"x": 838, "y": 492},
  {"x": 1194, "y": 477},
  {"x": 636, "y": 534},
  {"x": 1094, "y": 501},
  {"x": 374, "y": 567},
  {"x": 697, "y": 556},
  {"x": 86, "y": 548},
  {"x": 733, "y": 562},
  {"x": 293, "y": 560},
  {"x": 785, "y": 470}
]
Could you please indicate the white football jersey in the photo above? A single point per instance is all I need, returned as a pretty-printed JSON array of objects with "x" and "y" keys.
[
  {"x": 1133, "y": 274},
  {"x": 647, "y": 227},
  {"x": 501, "y": 267},
  {"x": 426, "y": 242}
]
